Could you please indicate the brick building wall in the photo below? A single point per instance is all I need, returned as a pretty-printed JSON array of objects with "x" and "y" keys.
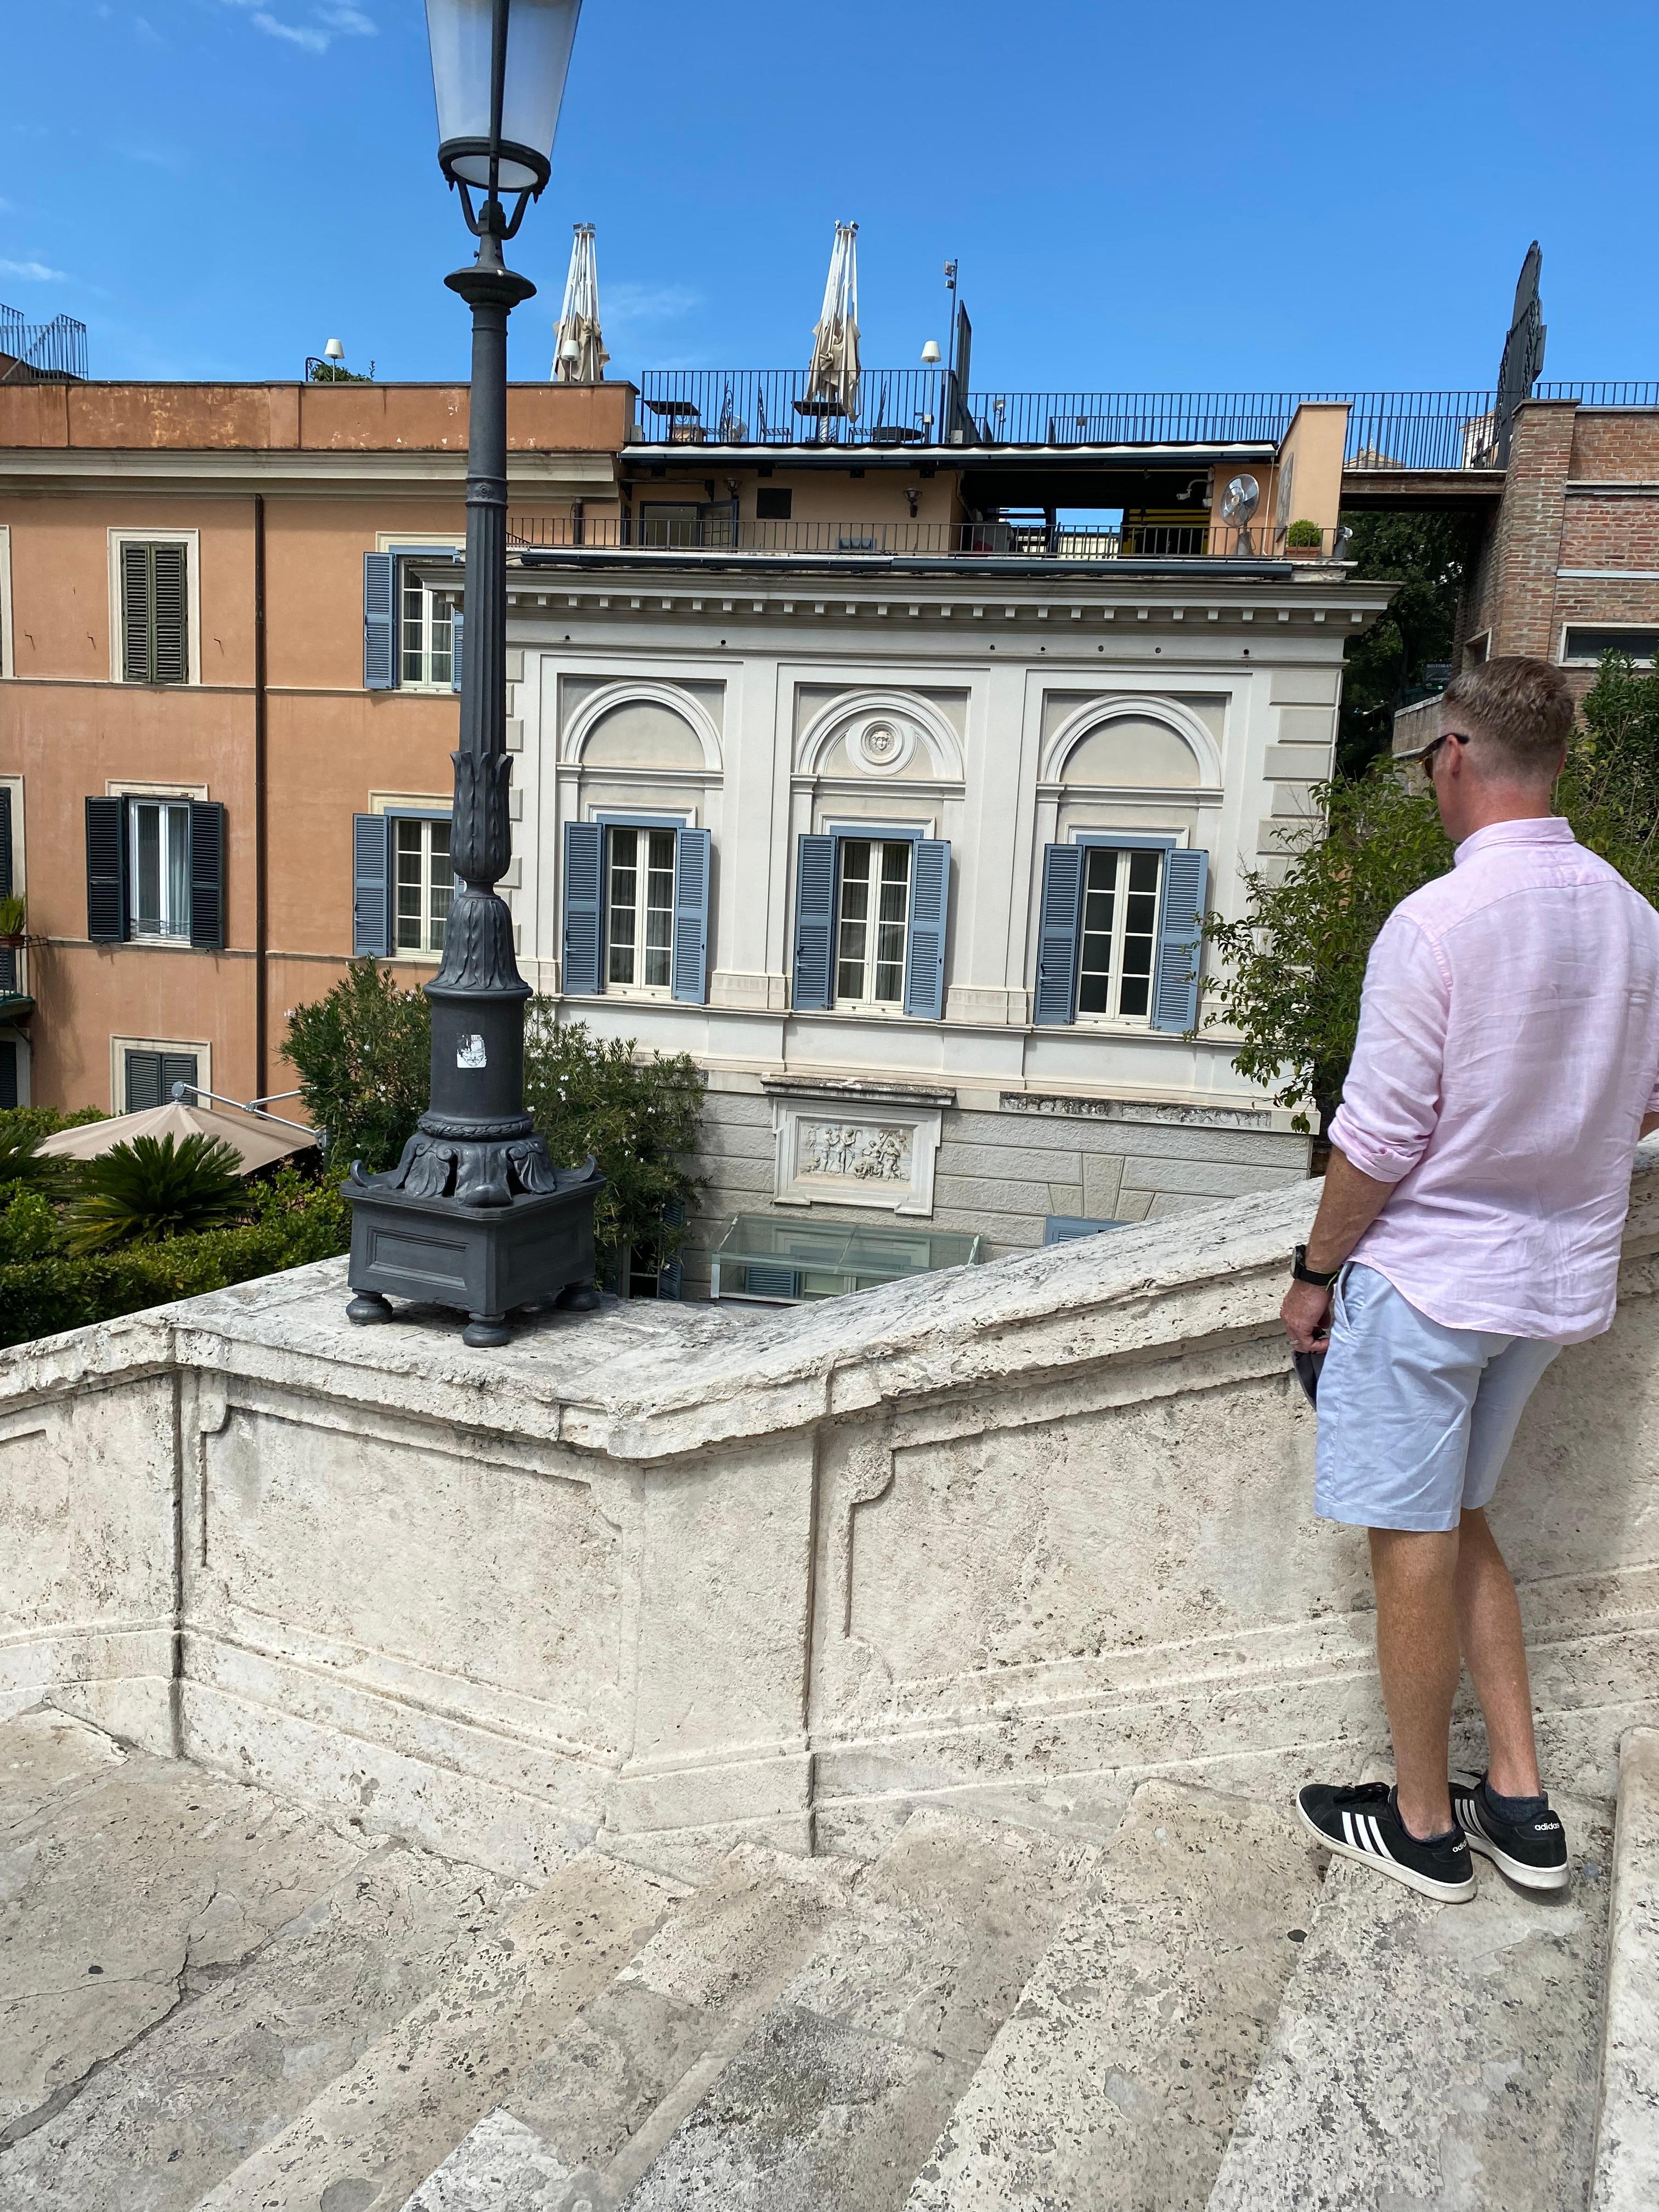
[{"x": 1575, "y": 541}]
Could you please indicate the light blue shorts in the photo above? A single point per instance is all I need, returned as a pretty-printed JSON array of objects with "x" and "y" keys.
[{"x": 1415, "y": 1419}]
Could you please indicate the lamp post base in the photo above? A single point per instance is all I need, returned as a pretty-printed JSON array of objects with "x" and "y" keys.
[{"x": 484, "y": 1261}]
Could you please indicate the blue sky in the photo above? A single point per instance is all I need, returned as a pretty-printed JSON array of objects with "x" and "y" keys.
[{"x": 1189, "y": 196}]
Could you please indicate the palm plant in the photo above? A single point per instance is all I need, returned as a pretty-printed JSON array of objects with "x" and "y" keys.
[{"x": 148, "y": 1188}]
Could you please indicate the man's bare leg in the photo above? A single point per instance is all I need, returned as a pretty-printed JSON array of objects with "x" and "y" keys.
[
  {"x": 1494, "y": 1649},
  {"x": 1415, "y": 1573}
]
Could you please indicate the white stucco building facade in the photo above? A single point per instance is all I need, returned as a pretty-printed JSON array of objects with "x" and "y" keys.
[{"x": 907, "y": 856}]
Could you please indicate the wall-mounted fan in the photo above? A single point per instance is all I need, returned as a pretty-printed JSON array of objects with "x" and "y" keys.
[{"x": 1238, "y": 504}]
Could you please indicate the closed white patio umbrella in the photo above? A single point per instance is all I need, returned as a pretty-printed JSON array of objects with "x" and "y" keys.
[
  {"x": 832, "y": 380},
  {"x": 255, "y": 1141},
  {"x": 579, "y": 354}
]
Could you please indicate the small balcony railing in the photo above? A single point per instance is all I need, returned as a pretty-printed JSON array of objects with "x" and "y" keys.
[{"x": 718, "y": 532}]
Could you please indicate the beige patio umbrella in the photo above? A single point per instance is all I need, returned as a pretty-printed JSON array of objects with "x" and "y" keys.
[
  {"x": 832, "y": 380},
  {"x": 255, "y": 1141},
  {"x": 579, "y": 354}
]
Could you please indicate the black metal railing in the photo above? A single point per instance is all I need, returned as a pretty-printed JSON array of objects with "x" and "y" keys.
[
  {"x": 720, "y": 533},
  {"x": 41, "y": 353},
  {"x": 918, "y": 407}
]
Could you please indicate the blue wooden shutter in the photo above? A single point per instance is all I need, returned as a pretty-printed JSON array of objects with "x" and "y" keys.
[
  {"x": 815, "y": 915},
  {"x": 143, "y": 1073},
  {"x": 457, "y": 625},
  {"x": 371, "y": 886},
  {"x": 584, "y": 887},
  {"x": 107, "y": 869},
  {"x": 930, "y": 910},
  {"x": 380, "y": 610},
  {"x": 207, "y": 874},
  {"x": 690, "y": 971},
  {"x": 1058, "y": 925},
  {"x": 1180, "y": 939},
  {"x": 6, "y": 868}
]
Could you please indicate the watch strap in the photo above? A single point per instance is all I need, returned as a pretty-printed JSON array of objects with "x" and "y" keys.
[{"x": 1304, "y": 1273}]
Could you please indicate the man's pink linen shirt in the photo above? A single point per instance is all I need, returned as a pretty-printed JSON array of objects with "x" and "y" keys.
[{"x": 1508, "y": 1052}]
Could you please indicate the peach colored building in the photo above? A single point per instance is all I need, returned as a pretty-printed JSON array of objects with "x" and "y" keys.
[{"x": 196, "y": 699}]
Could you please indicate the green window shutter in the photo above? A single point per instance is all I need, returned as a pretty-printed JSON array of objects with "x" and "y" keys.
[
  {"x": 5, "y": 841},
  {"x": 371, "y": 886},
  {"x": 177, "y": 1067},
  {"x": 107, "y": 869},
  {"x": 136, "y": 627},
  {"x": 143, "y": 1081},
  {"x": 207, "y": 874},
  {"x": 1180, "y": 939},
  {"x": 170, "y": 614},
  {"x": 9, "y": 1080},
  {"x": 379, "y": 621},
  {"x": 690, "y": 961},
  {"x": 1058, "y": 926},
  {"x": 815, "y": 920},
  {"x": 930, "y": 909},
  {"x": 584, "y": 918}
]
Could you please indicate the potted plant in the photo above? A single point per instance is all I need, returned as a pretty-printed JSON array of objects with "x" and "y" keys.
[
  {"x": 1304, "y": 541},
  {"x": 14, "y": 919}
]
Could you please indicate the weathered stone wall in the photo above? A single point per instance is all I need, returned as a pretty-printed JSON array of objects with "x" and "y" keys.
[{"x": 1014, "y": 1535}]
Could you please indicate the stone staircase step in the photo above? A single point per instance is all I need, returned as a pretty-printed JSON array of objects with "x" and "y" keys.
[
  {"x": 836, "y": 2096},
  {"x": 585, "y": 2119},
  {"x": 370, "y": 2134},
  {"x": 129, "y": 1885},
  {"x": 1117, "y": 2081},
  {"x": 1627, "y": 2135},
  {"x": 1434, "y": 2055},
  {"x": 186, "y": 2104}
]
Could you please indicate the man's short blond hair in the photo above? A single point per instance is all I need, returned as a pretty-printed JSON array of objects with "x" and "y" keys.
[{"x": 1521, "y": 708}]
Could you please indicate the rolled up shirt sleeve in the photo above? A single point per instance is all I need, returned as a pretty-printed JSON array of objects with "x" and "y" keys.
[{"x": 1391, "y": 1099}]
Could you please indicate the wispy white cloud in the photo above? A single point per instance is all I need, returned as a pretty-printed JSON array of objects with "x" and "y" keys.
[
  {"x": 34, "y": 272},
  {"x": 171, "y": 158},
  {"x": 324, "y": 21},
  {"x": 144, "y": 29},
  {"x": 629, "y": 303}
]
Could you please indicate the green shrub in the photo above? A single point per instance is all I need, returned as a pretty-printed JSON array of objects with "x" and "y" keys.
[
  {"x": 23, "y": 1129},
  {"x": 151, "y": 1189},
  {"x": 14, "y": 914},
  {"x": 637, "y": 1114},
  {"x": 1304, "y": 534},
  {"x": 362, "y": 1052},
  {"x": 42, "y": 1290}
]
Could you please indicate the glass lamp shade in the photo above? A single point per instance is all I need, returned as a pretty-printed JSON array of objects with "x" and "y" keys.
[{"x": 539, "y": 36}]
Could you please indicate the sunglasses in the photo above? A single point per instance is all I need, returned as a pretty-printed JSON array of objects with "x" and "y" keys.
[{"x": 1418, "y": 762}]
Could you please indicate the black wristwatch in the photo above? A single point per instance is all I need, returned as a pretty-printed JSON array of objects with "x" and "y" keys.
[{"x": 1304, "y": 1274}]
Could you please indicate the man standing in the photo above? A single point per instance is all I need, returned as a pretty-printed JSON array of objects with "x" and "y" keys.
[{"x": 1506, "y": 1064}]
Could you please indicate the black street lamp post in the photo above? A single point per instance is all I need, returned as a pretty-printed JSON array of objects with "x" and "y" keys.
[{"x": 474, "y": 1214}]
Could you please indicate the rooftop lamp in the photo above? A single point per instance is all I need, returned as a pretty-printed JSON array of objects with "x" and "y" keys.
[
  {"x": 930, "y": 353},
  {"x": 334, "y": 350}
]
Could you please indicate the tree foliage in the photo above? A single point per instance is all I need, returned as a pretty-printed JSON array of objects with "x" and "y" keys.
[
  {"x": 362, "y": 1052},
  {"x": 1610, "y": 790},
  {"x": 637, "y": 1116},
  {"x": 1429, "y": 555}
]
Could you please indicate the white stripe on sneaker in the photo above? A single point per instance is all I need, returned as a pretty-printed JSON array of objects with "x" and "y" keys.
[
  {"x": 1375, "y": 1834},
  {"x": 1348, "y": 1827}
]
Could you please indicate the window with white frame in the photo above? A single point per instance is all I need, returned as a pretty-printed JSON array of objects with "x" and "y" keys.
[
  {"x": 1119, "y": 944},
  {"x": 425, "y": 631},
  {"x": 8, "y": 664},
  {"x": 158, "y": 861},
  {"x": 153, "y": 587},
  {"x": 1583, "y": 644},
  {"x": 872, "y": 912},
  {"x": 423, "y": 884},
  {"x": 640, "y": 907}
]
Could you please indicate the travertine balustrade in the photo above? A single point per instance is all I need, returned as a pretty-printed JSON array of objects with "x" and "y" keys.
[{"x": 1015, "y": 1535}]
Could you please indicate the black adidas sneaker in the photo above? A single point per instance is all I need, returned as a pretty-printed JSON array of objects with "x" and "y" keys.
[
  {"x": 1531, "y": 1852},
  {"x": 1365, "y": 1824}
]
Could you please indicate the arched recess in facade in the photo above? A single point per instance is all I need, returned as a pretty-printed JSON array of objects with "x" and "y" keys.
[
  {"x": 609, "y": 703},
  {"x": 1095, "y": 718},
  {"x": 841, "y": 717}
]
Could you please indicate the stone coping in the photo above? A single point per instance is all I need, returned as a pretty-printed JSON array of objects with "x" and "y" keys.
[{"x": 654, "y": 1381}]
